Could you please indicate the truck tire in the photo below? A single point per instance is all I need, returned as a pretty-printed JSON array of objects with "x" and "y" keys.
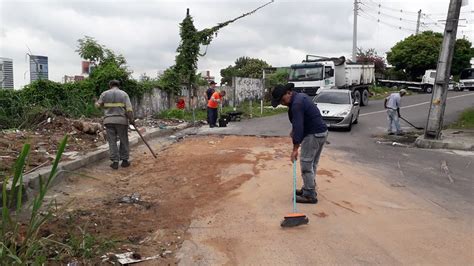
[
  {"x": 357, "y": 96},
  {"x": 365, "y": 98},
  {"x": 429, "y": 89}
]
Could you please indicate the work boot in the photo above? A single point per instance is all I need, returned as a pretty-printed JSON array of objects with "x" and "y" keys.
[
  {"x": 306, "y": 196},
  {"x": 114, "y": 165},
  {"x": 125, "y": 163},
  {"x": 306, "y": 199}
]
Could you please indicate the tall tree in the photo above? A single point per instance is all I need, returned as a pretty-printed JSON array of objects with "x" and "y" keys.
[
  {"x": 189, "y": 51},
  {"x": 245, "y": 67},
  {"x": 417, "y": 53}
]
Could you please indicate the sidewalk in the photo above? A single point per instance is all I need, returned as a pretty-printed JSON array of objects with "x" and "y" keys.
[{"x": 456, "y": 139}]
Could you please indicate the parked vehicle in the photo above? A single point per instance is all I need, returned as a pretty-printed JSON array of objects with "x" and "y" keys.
[
  {"x": 426, "y": 84},
  {"x": 466, "y": 79},
  {"x": 338, "y": 108},
  {"x": 320, "y": 73}
]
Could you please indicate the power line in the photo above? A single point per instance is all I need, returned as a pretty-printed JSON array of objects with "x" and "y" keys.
[
  {"x": 399, "y": 18},
  {"x": 405, "y": 12},
  {"x": 370, "y": 17}
]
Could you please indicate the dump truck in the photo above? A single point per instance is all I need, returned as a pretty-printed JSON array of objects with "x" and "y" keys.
[{"x": 320, "y": 73}]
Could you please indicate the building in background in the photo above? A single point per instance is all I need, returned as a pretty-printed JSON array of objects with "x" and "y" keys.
[
  {"x": 71, "y": 79},
  {"x": 86, "y": 68},
  {"x": 207, "y": 76},
  {"x": 6, "y": 73},
  {"x": 38, "y": 67}
]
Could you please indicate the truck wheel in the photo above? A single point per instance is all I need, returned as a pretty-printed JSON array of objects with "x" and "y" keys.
[
  {"x": 357, "y": 96},
  {"x": 365, "y": 98},
  {"x": 428, "y": 89}
]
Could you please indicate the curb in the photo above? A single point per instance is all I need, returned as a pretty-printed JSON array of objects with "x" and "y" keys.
[
  {"x": 421, "y": 142},
  {"x": 31, "y": 180}
]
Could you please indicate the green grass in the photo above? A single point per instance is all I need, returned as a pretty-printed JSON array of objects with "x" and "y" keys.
[
  {"x": 248, "y": 112},
  {"x": 465, "y": 120},
  {"x": 382, "y": 92}
]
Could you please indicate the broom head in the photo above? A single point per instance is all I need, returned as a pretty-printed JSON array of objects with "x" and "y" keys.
[{"x": 294, "y": 219}]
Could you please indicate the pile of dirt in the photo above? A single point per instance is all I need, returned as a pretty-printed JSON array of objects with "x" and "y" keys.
[{"x": 47, "y": 134}]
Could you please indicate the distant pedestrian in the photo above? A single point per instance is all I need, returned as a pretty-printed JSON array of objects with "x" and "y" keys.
[
  {"x": 308, "y": 131},
  {"x": 209, "y": 92},
  {"x": 392, "y": 104},
  {"x": 212, "y": 106},
  {"x": 118, "y": 114},
  {"x": 211, "y": 89}
]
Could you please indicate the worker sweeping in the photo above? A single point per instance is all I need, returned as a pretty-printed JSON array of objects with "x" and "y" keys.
[
  {"x": 392, "y": 104},
  {"x": 308, "y": 131},
  {"x": 118, "y": 114}
]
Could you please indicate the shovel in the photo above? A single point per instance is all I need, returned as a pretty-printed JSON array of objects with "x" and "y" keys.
[
  {"x": 411, "y": 123},
  {"x": 146, "y": 143}
]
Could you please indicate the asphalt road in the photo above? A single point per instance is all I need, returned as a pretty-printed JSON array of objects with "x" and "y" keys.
[{"x": 417, "y": 170}]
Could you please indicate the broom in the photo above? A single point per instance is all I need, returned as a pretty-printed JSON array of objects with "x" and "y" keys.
[{"x": 295, "y": 218}]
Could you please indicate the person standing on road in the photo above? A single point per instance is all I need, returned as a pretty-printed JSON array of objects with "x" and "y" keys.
[
  {"x": 308, "y": 131},
  {"x": 118, "y": 114},
  {"x": 209, "y": 92},
  {"x": 212, "y": 106},
  {"x": 392, "y": 104}
]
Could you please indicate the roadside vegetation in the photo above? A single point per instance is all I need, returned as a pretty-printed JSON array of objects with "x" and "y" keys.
[
  {"x": 24, "y": 238},
  {"x": 465, "y": 120},
  {"x": 200, "y": 114},
  {"x": 380, "y": 92}
]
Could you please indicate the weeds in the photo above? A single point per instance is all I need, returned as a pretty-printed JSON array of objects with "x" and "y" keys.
[
  {"x": 465, "y": 120},
  {"x": 254, "y": 111}
]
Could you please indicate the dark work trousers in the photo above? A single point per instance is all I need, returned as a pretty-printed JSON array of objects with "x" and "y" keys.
[
  {"x": 212, "y": 116},
  {"x": 120, "y": 131}
]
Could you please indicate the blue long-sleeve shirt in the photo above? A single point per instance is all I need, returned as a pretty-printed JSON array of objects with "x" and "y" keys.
[{"x": 305, "y": 117}]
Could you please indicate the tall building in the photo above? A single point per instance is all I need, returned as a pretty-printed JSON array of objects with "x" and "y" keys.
[
  {"x": 6, "y": 73},
  {"x": 38, "y": 67}
]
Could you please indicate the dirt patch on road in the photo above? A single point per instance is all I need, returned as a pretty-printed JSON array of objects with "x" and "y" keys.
[{"x": 196, "y": 172}]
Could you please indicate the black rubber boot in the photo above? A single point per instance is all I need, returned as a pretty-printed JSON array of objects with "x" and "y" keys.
[
  {"x": 306, "y": 199},
  {"x": 125, "y": 163},
  {"x": 306, "y": 196},
  {"x": 114, "y": 165}
]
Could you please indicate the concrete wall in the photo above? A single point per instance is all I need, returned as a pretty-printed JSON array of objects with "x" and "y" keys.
[
  {"x": 246, "y": 89},
  {"x": 157, "y": 100},
  {"x": 151, "y": 103}
]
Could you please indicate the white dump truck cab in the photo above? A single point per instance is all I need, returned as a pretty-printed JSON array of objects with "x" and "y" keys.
[
  {"x": 466, "y": 79},
  {"x": 321, "y": 73}
]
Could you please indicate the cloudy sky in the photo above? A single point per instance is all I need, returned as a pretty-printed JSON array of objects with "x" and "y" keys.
[{"x": 146, "y": 32}]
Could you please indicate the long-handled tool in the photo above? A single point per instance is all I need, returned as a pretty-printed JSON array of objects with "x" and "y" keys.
[
  {"x": 295, "y": 218},
  {"x": 410, "y": 123},
  {"x": 146, "y": 143}
]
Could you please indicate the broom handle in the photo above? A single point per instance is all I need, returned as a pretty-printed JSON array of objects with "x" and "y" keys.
[{"x": 294, "y": 186}]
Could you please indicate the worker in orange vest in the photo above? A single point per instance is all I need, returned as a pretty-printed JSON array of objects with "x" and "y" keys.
[{"x": 212, "y": 106}]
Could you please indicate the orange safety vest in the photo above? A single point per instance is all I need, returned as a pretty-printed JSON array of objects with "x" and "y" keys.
[{"x": 213, "y": 104}]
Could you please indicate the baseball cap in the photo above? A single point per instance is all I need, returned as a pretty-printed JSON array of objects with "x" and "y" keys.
[
  {"x": 212, "y": 82},
  {"x": 403, "y": 91}
]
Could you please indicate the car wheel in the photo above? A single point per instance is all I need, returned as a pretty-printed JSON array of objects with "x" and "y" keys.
[
  {"x": 349, "y": 128},
  {"x": 357, "y": 119}
]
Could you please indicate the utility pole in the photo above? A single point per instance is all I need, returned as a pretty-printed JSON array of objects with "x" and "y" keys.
[
  {"x": 443, "y": 70},
  {"x": 354, "y": 31},
  {"x": 418, "y": 22}
]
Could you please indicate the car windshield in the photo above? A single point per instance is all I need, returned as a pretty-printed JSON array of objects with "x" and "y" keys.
[
  {"x": 333, "y": 98},
  {"x": 306, "y": 74},
  {"x": 467, "y": 74}
]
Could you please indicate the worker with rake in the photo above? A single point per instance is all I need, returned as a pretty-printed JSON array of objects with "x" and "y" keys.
[
  {"x": 308, "y": 131},
  {"x": 118, "y": 114}
]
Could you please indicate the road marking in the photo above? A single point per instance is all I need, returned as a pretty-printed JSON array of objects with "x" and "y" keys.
[{"x": 418, "y": 104}]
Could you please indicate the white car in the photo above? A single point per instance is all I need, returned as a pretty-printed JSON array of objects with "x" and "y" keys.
[{"x": 338, "y": 108}]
